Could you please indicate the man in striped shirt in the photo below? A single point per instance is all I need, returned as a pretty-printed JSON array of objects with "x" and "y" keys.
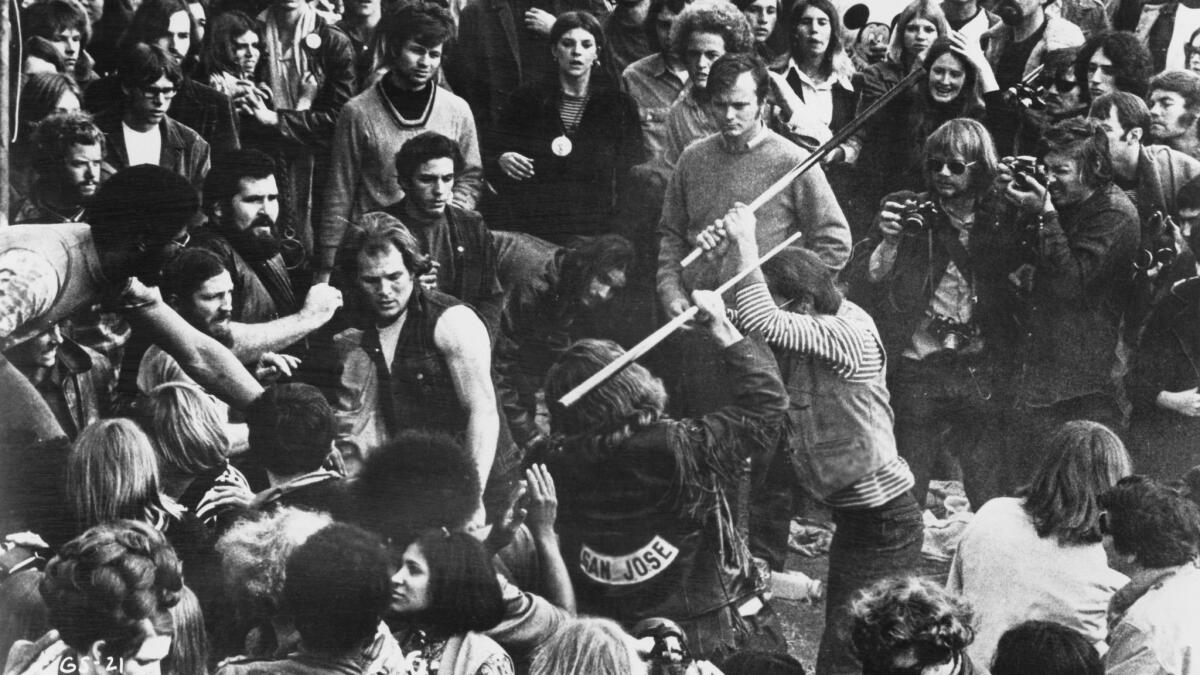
[{"x": 839, "y": 440}]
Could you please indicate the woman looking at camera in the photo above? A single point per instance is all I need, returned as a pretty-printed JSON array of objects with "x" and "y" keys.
[{"x": 565, "y": 148}]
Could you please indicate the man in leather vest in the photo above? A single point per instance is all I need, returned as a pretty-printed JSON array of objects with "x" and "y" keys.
[{"x": 423, "y": 361}]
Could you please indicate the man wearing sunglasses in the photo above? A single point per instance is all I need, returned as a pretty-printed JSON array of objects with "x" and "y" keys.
[
  {"x": 1078, "y": 232},
  {"x": 928, "y": 284}
]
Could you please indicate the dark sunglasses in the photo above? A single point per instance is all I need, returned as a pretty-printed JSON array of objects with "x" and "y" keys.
[
  {"x": 1059, "y": 84},
  {"x": 956, "y": 167}
]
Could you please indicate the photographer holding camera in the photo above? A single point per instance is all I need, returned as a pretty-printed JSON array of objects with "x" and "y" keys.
[
  {"x": 1082, "y": 232},
  {"x": 925, "y": 273}
]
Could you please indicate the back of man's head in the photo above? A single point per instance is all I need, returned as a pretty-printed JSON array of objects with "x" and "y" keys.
[
  {"x": 1151, "y": 522},
  {"x": 417, "y": 481},
  {"x": 104, "y": 583},
  {"x": 230, "y": 168},
  {"x": 337, "y": 588},
  {"x": 291, "y": 427},
  {"x": 1132, "y": 112},
  {"x": 144, "y": 203},
  {"x": 1182, "y": 82}
]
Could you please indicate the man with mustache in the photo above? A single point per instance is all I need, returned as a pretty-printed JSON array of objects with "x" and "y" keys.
[
  {"x": 241, "y": 200},
  {"x": 1174, "y": 108},
  {"x": 1081, "y": 232},
  {"x": 68, "y": 152},
  {"x": 1016, "y": 46}
]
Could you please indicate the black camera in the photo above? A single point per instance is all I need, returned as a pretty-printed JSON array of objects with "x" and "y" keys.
[
  {"x": 1025, "y": 168},
  {"x": 1029, "y": 96},
  {"x": 670, "y": 655},
  {"x": 918, "y": 217},
  {"x": 951, "y": 334},
  {"x": 1162, "y": 248}
]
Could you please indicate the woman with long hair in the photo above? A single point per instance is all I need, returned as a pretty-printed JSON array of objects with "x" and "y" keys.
[
  {"x": 185, "y": 426},
  {"x": 891, "y": 143},
  {"x": 1039, "y": 555},
  {"x": 230, "y": 56},
  {"x": 820, "y": 71},
  {"x": 112, "y": 474},
  {"x": 565, "y": 147},
  {"x": 444, "y": 594}
]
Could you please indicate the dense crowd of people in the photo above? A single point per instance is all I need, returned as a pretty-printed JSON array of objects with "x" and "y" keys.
[{"x": 314, "y": 320}]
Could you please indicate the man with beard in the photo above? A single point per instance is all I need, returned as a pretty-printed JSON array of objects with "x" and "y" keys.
[
  {"x": 68, "y": 151},
  {"x": 1015, "y": 47},
  {"x": 545, "y": 313},
  {"x": 1081, "y": 231},
  {"x": 1174, "y": 107},
  {"x": 47, "y": 272},
  {"x": 196, "y": 285},
  {"x": 139, "y": 131},
  {"x": 241, "y": 200}
]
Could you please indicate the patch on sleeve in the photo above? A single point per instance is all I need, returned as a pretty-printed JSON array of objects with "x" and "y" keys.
[{"x": 632, "y": 568}]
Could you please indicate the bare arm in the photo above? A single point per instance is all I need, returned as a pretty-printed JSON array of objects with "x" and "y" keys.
[
  {"x": 251, "y": 341},
  {"x": 463, "y": 340},
  {"x": 204, "y": 359},
  {"x": 542, "y": 511}
]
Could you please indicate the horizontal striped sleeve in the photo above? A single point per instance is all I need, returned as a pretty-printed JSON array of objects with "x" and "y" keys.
[
  {"x": 887, "y": 483},
  {"x": 847, "y": 343}
]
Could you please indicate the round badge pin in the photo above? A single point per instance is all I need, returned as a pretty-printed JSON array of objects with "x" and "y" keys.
[
  {"x": 312, "y": 41},
  {"x": 561, "y": 146}
]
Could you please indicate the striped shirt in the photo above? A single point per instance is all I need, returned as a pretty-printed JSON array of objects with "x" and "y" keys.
[
  {"x": 848, "y": 343},
  {"x": 570, "y": 111}
]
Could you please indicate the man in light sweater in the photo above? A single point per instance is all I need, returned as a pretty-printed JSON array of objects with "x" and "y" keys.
[
  {"x": 405, "y": 103},
  {"x": 737, "y": 165}
]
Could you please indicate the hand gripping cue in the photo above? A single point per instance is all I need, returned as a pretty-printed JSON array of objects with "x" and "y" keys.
[
  {"x": 652, "y": 340},
  {"x": 571, "y": 397},
  {"x": 819, "y": 154}
]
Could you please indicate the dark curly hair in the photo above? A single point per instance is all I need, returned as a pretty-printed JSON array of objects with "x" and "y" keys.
[
  {"x": 416, "y": 481},
  {"x": 292, "y": 427},
  {"x": 1152, "y": 522},
  {"x": 1132, "y": 65},
  {"x": 337, "y": 587},
  {"x": 896, "y": 615},
  {"x": 54, "y": 137},
  {"x": 106, "y": 581}
]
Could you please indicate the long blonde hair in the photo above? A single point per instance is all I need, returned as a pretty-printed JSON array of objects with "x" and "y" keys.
[
  {"x": 918, "y": 9},
  {"x": 112, "y": 473}
]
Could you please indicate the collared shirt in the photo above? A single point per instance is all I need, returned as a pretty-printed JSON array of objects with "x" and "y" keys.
[
  {"x": 818, "y": 96},
  {"x": 654, "y": 86}
]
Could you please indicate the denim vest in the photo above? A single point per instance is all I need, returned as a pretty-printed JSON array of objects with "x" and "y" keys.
[{"x": 840, "y": 431}]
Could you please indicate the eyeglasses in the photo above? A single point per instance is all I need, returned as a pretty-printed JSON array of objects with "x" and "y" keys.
[
  {"x": 1061, "y": 84},
  {"x": 150, "y": 93},
  {"x": 182, "y": 240},
  {"x": 957, "y": 167}
]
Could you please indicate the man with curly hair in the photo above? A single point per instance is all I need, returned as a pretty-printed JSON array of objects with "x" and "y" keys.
[
  {"x": 910, "y": 626},
  {"x": 68, "y": 162},
  {"x": 1113, "y": 61},
  {"x": 1155, "y": 619}
]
